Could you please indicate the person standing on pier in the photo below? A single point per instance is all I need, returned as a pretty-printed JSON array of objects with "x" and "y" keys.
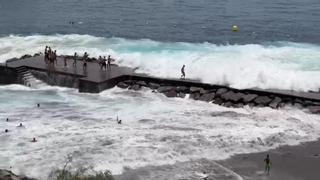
[
  {"x": 65, "y": 61},
  {"x": 109, "y": 62},
  {"x": 74, "y": 60},
  {"x": 85, "y": 56},
  {"x": 55, "y": 57},
  {"x": 46, "y": 55},
  {"x": 183, "y": 74},
  {"x": 104, "y": 64}
]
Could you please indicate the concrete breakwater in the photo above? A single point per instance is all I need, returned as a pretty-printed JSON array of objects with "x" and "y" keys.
[{"x": 93, "y": 79}]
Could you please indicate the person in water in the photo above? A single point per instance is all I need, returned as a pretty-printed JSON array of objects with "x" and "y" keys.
[
  {"x": 268, "y": 164},
  {"x": 7, "y": 119},
  {"x": 118, "y": 120},
  {"x": 183, "y": 74},
  {"x": 20, "y": 125},
  {"x": 34, "y": 140},
  {"x": 38, "y": 105},
  {"x": 6, "y": 130}
]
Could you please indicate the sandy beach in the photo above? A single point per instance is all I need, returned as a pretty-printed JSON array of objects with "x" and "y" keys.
[{"x": 301, "y": 162}]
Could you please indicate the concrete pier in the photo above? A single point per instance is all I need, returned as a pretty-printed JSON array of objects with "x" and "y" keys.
[{"x": 95, "y": 80}]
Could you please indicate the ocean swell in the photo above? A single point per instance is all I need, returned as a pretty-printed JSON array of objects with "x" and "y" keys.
[{"x": 277, "y": 65}]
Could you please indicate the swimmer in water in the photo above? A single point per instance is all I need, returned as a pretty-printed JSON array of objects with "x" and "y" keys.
[{"x": 34, "y": 140}]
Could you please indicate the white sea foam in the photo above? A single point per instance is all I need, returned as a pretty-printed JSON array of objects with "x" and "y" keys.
[
  {"x": 278, "y": 65},
  {"x": 156, "y": 130}
]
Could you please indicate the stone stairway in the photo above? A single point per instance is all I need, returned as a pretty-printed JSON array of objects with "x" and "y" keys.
[{"x": 26, "y": 78}]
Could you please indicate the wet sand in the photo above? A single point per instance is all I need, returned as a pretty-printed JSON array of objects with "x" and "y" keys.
[{"x": 301, "y": 162}]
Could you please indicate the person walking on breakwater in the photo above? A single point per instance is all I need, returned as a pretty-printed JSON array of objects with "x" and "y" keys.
[
  {"x": 183, "y": 74},
  {"x": 268, "y": 164},
  {"x": 74, "y": 64}
]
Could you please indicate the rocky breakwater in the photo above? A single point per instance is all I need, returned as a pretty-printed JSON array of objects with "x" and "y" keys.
[
  {"x": 224, "y": 96},
  {"x": 8, "y": 175}
]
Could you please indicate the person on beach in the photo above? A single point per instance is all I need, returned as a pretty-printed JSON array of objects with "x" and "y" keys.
[
  {"x": 183, "y": 74},
  {"x": 268, "y": 164},
  {"x": 74, "y": 60}
]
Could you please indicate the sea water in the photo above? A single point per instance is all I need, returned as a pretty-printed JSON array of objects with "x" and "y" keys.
[{"x": 277, "y": 47}]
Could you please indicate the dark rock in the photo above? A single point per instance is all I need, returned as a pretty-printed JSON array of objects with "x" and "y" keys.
[
  {"x": 25, "y": 56},
  {"x": 182, "y": 95},
  {"x": 227, "y": 104},
  {"x": 231, "y": 96},
  {"x": 221, "y": 91},
  {"x": 239, "y": 105},
  {"x": 8, "y": 175},
  {"x": 207, "y": 97},
  {"x": 135, "y": 87},
  {"x": 129, "y": 82},
  {"x": 298, "y": 105},
  {"x": 249, "y": 97},
  {"x": 171, "y": 93},
  {"x": 314, "y": 109},
  {"x": 251, "y": 104},
  {"x": 195, "y": 96},
  {"x": 153, "y": 85},
  {"x": 275, "y": 102},
  {"x": 203, "y": 91},
  {"x": 195, "y": 89},
  {"x": 218, "y": 101},
  {"x": 183, "y": 89},
  {"x": 36, "y": 54},
  {"x": 262, "y": 100},
  {"x": 163, "y": 89},
  {"x": 122, "y": 85},
  {"x": 142, "y": 83}
]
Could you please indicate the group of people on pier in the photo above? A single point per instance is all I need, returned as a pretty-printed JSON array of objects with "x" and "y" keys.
[{"x": 50, "y": 58}]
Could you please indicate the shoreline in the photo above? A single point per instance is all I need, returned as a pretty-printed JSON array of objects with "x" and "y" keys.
[{"x": 297, "y": 162}]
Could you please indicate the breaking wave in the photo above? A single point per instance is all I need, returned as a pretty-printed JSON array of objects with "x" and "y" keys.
[{"x": 277, "y": 65}]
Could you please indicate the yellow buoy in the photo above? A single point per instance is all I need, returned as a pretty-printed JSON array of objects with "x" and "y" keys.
[{"x": 235, "y": 28}]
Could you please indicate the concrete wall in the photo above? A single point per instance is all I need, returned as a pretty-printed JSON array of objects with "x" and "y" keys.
[
  {"x": 8, "y": 75},
  {"x": 56, "y": 79}
]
